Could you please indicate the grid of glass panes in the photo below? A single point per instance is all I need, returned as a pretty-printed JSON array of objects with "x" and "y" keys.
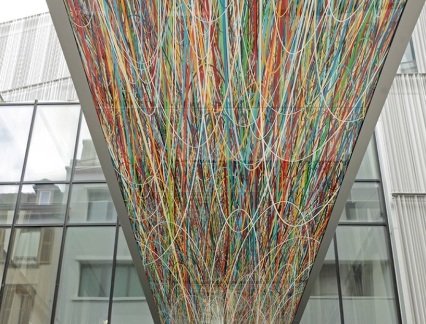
[
  {"x": 64, "y": 259},
  {"x": 63, "y": 256},
  {"x": 357, "y": 284}
]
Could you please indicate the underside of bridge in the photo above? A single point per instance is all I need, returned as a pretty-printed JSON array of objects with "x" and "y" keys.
[{"x": 230, "y": 132}]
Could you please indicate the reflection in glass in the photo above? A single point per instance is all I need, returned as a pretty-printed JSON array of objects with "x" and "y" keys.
[
  {"x": 8, "y": 195},
  {"x": 363, "y": 203},
  {"x": 91, "y": 203},
  {"x": 86, "y": 275},
  {"x": 87, "y": 166},
  {"x": 14, "y": 129},
  {"x": 129, "y": 305},
  {"x": 408, "y": 63},
  {"x": 4, "y": 243},
  {"x": 369, "y": 169},
  {"x": 30, "y": 280},
  {"x": 52, "y": 144},
  {"x": 43, "y": 203},
  {"x": 366, "y": 275},
  {"x": 323, "y": 305}
]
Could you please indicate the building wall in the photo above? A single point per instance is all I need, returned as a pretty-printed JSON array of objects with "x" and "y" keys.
[
  {"x": 31, "y": 62},
  {"x": 402, "y": 139},
  {"x": 419, "y": 43},
  {"x": 62, "y": 251}
]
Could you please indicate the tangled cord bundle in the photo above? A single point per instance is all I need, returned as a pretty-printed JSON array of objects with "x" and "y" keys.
[{"x": 230, "y": 124}]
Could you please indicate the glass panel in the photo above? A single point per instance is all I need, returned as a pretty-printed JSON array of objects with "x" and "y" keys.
[
  {"x": 4, "y": 243},
  {"x": 91, "y": 203},
  {"x": 86, "y": 272},
  {"x": 8, "y": 195},
  {"x": 323, "y": 305},
  {"x": 14, "y": 129},
  {"x": 52, "y": 144},
  {"x": 363, "y": 203},
  {"x": 366, "y": 275},
  {"x": 408, "y": 63},
  {"x": 43, "y": 203},
  {"x": 94, "y": 279},
  {"x": 129, "y": 304},
  {"x": 369, "y": 169},
  {"x": 87, "y": 165},
  {"x": 30, "y": 280}
]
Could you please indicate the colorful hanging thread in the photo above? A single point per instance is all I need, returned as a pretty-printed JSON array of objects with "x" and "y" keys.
[{"x": 230, "y": 124}]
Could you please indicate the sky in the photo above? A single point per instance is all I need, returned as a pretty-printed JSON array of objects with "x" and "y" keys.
[{"x": 14, "y": 9}]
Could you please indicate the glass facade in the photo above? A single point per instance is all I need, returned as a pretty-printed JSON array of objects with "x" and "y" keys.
[
  {"x": 357, "y": 284},
  {"x": 63, "y": 254},
  {"x": 58, "y": 227}
]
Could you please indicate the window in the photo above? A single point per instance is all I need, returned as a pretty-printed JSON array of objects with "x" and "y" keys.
[
  {"x": 31, "y": 276},
  {"x": 94, "y": 279},
  {"x": 18, "y": 304},
  {"x": 87, "y": 165},
  {"x": 43, "y": 203},
  {"x": 91, "y": 203},
  {"x": 323, "y": 305},
  {"x": 8, "y": 196},
  {"x": 87, "y": 269},
  {"x": 128, "y": 304},
  {"x": 369, "y": 168},
  {"x": 100, "y": 205},
  {"x": 127, "y": 282},
  {"x": 368, "y": 294},
  {"x": 14, "y": 130},
  {"x": 408, "y": 63},
  {"x": 364, "y": 203},
  {"x": 4, "y": 243},
  {"x": 44, "y": 197},
  {"x": 52, "y": 144},
  {"x": 33, "y": 246}
]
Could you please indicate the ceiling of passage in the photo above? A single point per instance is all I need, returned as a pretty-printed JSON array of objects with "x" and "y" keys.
[{"x": 231, "y": 124}]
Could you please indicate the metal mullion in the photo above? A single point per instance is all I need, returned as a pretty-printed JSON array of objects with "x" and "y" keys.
[
  {"x": 14, "y": 104},
  {"x": 64, "y": 225},
  {"x": 63, "y": 182},
  {"x": 59, "y": 103},
  {"x": 378, "y": 181},
  {"x": 41, "y": 103},
  {"x": 104, "y": 224},
  {"x": 114, "y": 264},
  {"x": 38, "y": 225},
  {"x": 408, "y": 194},
  {"x": 339, "y": 281},
  {"x": 90, "y": 182},
  {"x": 43, "y": 182},
  {"x": 18, "y": 201},
  {"x": 362, "y": 224},
  {"x": 10, "y": 183}
]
